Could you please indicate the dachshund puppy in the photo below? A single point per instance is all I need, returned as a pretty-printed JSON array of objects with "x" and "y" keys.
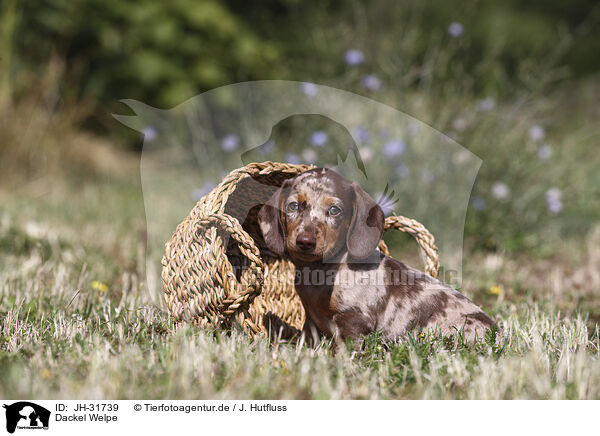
[{"x": 330, "y": 229}]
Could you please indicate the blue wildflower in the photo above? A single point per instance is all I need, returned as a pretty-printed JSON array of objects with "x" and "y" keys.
[
  {"x": 319, "y": 138},
  {"x": 149, "y": 133},
  {"x": 500, "y": 190},
  {"x": 371, "y": 82},
  {"x": 394, "y": 148},
  {"x": 554, "y": 200},
  {"x": 537, "y": 133},
  {"x": 460, "y": 124},
  {"x": 309, "y": 89},
  {"x": 544, "y": 152},
  {"x": 354, "y": 57},
  {"x": 361, "y": 134},
  {"x": 267, "y": 147},
  {"x": 230, "y": 142},
  {"x": 292, "y": 158},
  {"x": 478, "y": 203},
  {"x": 455, "y": 29}
]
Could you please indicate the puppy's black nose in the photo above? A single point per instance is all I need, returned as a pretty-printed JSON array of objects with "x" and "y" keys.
[{"x": 306, "y": 242}]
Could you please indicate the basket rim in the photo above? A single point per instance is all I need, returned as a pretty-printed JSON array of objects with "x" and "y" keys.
[{"x": 217, "y": 198}]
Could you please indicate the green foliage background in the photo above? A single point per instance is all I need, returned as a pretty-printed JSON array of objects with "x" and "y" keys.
[
  {"x": 157, "y": 51},
  {"x": 163, "y": 52},
  {"x": 536, "y": 61}
]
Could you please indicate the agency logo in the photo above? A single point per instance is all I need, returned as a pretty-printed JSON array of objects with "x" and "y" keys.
[
  {"x": 26, "y": 415},
  {"x": 415, "y": 170}
]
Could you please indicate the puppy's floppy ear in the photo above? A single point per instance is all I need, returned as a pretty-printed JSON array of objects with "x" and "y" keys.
[
  {"x": 366, "y": 226},
  {"x": 269, "y": 220}
]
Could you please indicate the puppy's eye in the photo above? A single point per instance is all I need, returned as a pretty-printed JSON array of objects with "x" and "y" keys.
[
  {"x": 293, "y": 206},
  {"x": 334, "y": 210}
]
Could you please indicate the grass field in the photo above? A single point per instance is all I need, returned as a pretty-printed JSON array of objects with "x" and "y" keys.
[
  {"x": 76, "y": 320},
  {"x": 512, "y": 84}
]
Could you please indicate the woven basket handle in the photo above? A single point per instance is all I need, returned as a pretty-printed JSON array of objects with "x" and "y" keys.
[
  {"x": 238, "y": 297},
  {"x": 425, "y": 240}
]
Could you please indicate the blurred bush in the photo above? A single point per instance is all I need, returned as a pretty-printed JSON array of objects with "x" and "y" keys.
[{"x": 152, "y": 50}]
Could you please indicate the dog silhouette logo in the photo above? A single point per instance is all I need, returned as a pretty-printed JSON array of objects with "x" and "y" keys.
[{"x": 26, "y": 415}]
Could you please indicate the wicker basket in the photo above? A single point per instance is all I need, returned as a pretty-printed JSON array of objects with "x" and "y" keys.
[{"x": 202, "y": 278}]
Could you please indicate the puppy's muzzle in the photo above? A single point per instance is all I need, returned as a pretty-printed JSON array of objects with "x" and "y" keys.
[{"x": 306, "y": 242}]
